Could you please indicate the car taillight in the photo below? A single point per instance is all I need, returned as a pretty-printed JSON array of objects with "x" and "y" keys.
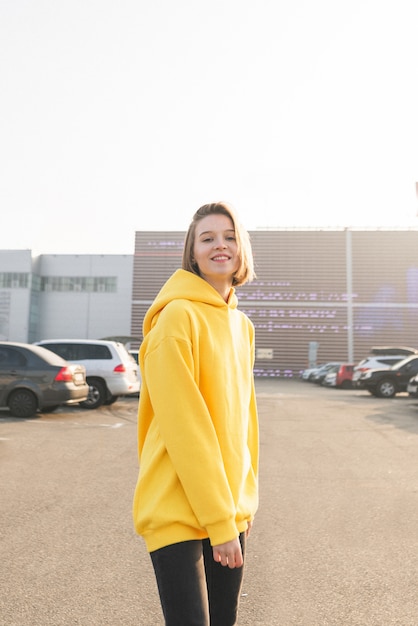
[
  {"x": 120, "y": 368},
  {"x": 64, "y": 375}
]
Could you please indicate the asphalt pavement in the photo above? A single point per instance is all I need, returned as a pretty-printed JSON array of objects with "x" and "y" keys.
[{"x": 335, "y": 542}]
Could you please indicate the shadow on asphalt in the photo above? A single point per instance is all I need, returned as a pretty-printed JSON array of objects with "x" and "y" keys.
[{"x": 400, "y": 412}]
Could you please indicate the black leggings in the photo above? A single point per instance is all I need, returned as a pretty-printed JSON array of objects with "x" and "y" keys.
[{"x": 194, "y": 590}]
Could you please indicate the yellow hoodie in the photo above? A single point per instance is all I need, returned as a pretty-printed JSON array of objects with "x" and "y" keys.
[{"x": 197, "y": 420}]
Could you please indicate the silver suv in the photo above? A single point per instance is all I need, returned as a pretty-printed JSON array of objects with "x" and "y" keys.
[
  {"x": 110, "y": 369},
  {"x": 375, "y": 363},
  {"x": 381, "y": 358}
]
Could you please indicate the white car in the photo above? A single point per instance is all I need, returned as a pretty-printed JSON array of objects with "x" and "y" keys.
[
  {"x": 383, "y": 362},
  {"x": 110, "y": 370},
  {"x": 309, "y": 372},
  {"x": 330, "y": 379},
  {"x": 412, "y": 387}
]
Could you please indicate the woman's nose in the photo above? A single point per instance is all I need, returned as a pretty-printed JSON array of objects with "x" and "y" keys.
[{"x": 220, "y": 244}]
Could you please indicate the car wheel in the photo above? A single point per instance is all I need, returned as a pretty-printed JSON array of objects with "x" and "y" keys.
[
  {"x": 346, "y": 384},
  {"x": 97, "y": 394},
  {"x": 385, "y": 389},
  {"x": 111, "y": 400},
  {"x": 22, "y": 403}
]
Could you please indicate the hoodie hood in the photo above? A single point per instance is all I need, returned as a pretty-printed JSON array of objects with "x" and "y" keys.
[{"x": 184, "y": 285}]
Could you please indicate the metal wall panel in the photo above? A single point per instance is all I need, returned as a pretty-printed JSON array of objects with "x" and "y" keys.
[
  {"x": 299, "y": 297},
  {"x": 341, "y": 290},
  {"x": 157, "y": 255},
  {"x": 385, "y": 288}
]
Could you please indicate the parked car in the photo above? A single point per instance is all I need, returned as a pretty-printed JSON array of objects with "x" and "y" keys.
[
  {"x": 135, "y": 355},
  {"x": 412, "y": 387},
  {"x": 340, "y": 376},
  {"x": 309, "y": 372},
  {"x": 34, "y": 379},
  {"x": 386, "y": 383},
  {"x": 111, "y": 371},
  {"x": 379, "y": 361},
  {"x": 318, "y": 376}
]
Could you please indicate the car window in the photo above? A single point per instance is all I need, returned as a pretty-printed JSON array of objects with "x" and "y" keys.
[
  {"x": 388, "y": 361},
  {"x": 63, "y": 350},
  {"x": 93, "y": 351},
  {"x": 402, "y": 364},
  {"x": 11, "y": 358},
  {"x": 80, "y": 351},
  {"x": 135, "y": 355},
  {"x": 411, "y": 367}
]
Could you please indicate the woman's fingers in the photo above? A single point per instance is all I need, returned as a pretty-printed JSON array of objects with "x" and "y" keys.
[{"x": 228, "y": 554}]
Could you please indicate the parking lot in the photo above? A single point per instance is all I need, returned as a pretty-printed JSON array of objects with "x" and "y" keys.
[{"x": 335, "y": 541}]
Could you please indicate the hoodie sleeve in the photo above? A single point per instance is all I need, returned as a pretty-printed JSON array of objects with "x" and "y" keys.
[{"x": 189, "y": 435}]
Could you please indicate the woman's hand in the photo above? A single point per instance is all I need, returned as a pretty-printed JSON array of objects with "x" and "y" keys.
[{"x": 228, "y": 554}]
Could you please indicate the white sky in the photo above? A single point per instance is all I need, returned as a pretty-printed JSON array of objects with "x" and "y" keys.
[{"x": 128, "y": 115}]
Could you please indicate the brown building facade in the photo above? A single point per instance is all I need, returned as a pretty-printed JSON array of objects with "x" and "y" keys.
[{"x": 319, "y": 295}]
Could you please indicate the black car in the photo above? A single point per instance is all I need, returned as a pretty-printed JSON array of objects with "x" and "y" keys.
[
  {"x": 34, "y": 378},
  {"x": 386, "y": 383}
]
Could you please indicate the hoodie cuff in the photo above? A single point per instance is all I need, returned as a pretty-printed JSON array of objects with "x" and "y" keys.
[{"x": 222, "y": 532}]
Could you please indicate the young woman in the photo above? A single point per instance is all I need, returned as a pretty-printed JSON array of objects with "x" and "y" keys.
[{"x": 196, "y": 494}]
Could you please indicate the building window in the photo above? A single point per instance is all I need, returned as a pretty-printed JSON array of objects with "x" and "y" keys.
[
  {"x": 81, "y": 284},
  {"x": 14, "y": 280}
]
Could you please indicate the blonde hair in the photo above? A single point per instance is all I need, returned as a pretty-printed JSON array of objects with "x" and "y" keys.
[{"x": 245, "y": 272}]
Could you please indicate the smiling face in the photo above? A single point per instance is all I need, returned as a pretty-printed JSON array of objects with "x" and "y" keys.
[{"x": 215, "y": 251}]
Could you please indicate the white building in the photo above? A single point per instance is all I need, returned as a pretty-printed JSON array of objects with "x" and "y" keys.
[
  {"x": 16, "y": 270},
  {"x": 56, "y": 296}
]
